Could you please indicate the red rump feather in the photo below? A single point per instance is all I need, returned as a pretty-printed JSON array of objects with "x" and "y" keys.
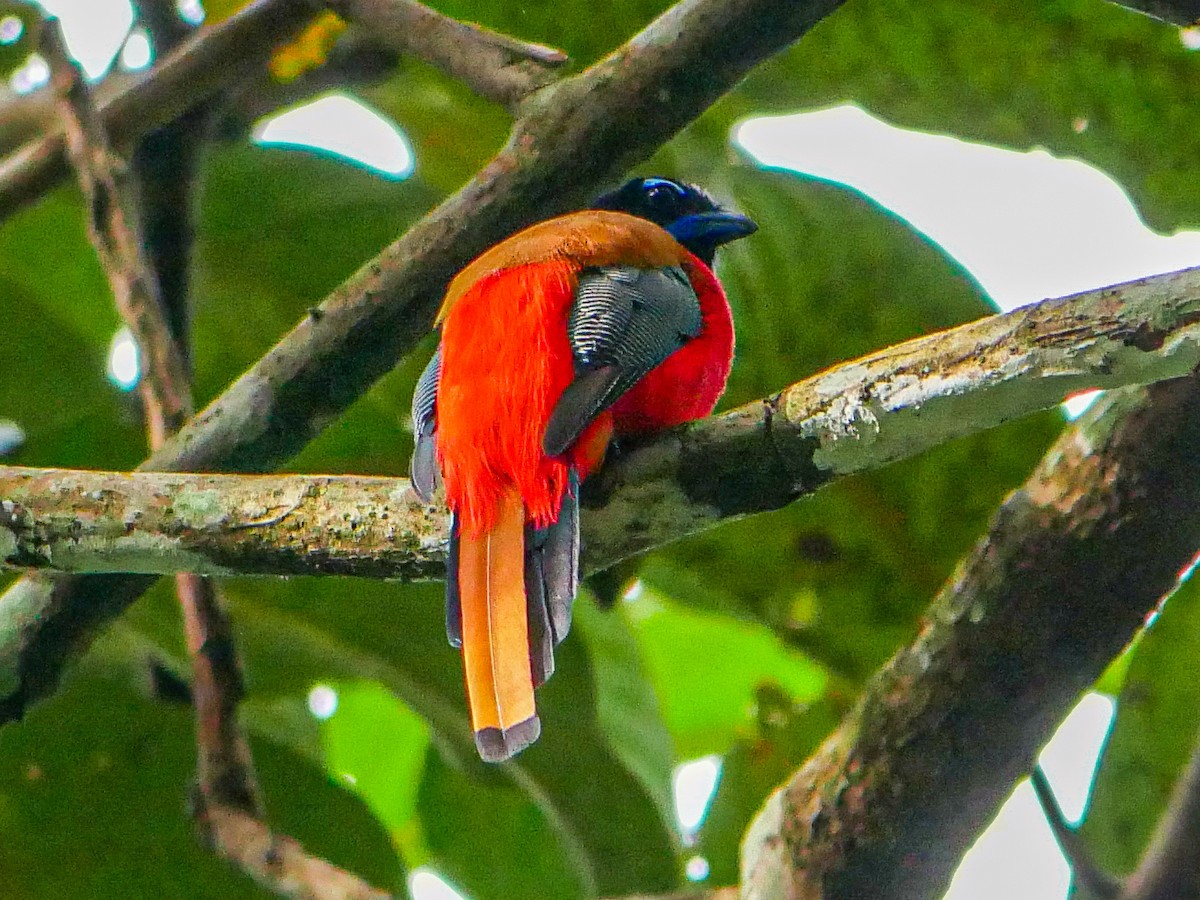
[{"x": 481, "y": 454}]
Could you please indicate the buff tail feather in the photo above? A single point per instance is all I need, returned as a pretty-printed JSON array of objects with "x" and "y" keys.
[{"x": 495, "y": 633}]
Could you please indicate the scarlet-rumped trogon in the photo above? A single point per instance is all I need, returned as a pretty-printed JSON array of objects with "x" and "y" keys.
[{"x": 594, "y": 325}]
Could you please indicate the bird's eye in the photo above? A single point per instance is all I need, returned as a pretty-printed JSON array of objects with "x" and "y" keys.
[{"x": 660, "y": 192}]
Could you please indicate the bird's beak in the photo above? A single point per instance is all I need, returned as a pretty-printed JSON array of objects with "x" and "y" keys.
[{"x": 711, "y": 228}]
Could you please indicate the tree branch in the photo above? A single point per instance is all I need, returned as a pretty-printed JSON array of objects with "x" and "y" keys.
[
  {"x": 575, "y": 134},
  {"x": 1084, "y": 869},
  {"x": 114, "y": 228},
  {"x": 280, "y": 863},
  {"x": 214, "y": 59},
  {"x": 495, "y": 66},
  {"x": 1073, "y": 563},
  {"x": 853, "y": 417}
]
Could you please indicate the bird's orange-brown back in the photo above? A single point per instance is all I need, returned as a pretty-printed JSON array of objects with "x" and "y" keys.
[{"x": 594, "y": 237}]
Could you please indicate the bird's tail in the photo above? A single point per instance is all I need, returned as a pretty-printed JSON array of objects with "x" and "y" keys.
[{"x": 494, "y": 629}]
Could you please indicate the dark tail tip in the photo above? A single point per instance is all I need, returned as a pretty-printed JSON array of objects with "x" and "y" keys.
[{"x": 497, "y": 745}]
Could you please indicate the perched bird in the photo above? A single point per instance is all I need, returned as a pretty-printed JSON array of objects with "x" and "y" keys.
[{"x": 601, "y": 323}]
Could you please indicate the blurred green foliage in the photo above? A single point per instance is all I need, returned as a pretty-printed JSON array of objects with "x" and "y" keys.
[
  {"x": 1153, "y": 736},
  {"x": 748, "y": 641}
]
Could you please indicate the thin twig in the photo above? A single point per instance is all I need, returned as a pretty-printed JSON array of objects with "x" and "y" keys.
[
  {"x": 1177, "y": 12},
  {"x": 493, "y": 65},
  {"x": 113, "y": 226},
  {"x": 1084, "y": 869},
  {"x": 278, "y": 862},
  {"x": 225, "y": 770},
  {"x": 1170, "y": 867},
  {"x": 165, "y": 161}
]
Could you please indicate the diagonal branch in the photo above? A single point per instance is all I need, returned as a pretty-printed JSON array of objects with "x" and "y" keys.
[
  {"x": 216, "y": 58},
  {"x": 853, "y": 417},
  {"x": 493, "y": 65},
  {"x": 1074, "y": 562},
  {"x": 581, "y": 132}
]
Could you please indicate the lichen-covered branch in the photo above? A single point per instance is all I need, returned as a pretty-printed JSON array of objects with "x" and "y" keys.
[
  {"x": 69, "y": 520},
  {"x": 214, "y": 59},
  {"x": 574, "y": 135},
  {"x": 1073, "y": 563},
  {"x": 493, "y": 65},
  {"x": 855, "y": 416}
]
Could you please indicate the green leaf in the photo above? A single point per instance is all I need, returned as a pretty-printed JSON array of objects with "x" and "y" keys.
[
  {"x": 600, "y": 820},
  {"x": 473, "y": 829},
  {"x": 706, "y": 667},
  {"x": 378, "y": 747},
  {"x": 787, "y": 733},
  {"x": 58, "y": 318},
  {"x": 627, "y": 709},
  {"x": 93, "y": 796},
  {"x": 1152, "y": 737}
]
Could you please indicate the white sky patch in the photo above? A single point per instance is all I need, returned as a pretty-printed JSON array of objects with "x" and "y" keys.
[
  {"x": 124, "y": 360},
  {"x": 342, "y": 126},
  {"x": 1079, "y": 737},
  {"x": 11, "y": 29},
  {"x": 696, "y": 868},
  {"x": 1077, "y": 405},
  {"x": 192, "y": 11},
  {"x": 137, "y": 52},
  {"x": 94, "y": 30},
  {"x": 33, "y": 74},
  {"x": 12, "y": 436},
  {"x": 1027, "y": 225},
  {"x": 426, "y": 884},
  {"x": 692, "y": 787},
  {"x": 322, "y": 701},
  {"x": 1017, "y": 855}
]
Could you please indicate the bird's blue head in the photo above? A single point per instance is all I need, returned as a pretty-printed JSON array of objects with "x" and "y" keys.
[{"x": 685, "y": 211}]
